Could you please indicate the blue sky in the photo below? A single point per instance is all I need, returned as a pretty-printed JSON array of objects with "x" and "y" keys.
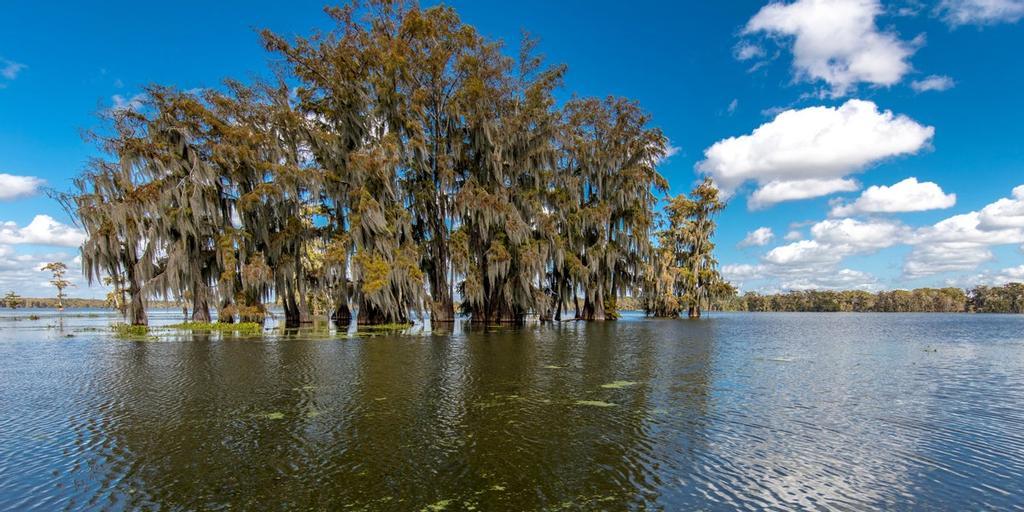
[{"x": 796, "y": 109}]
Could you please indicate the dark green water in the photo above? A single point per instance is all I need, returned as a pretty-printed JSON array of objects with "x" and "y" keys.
[{"x": 756, "y": 411}]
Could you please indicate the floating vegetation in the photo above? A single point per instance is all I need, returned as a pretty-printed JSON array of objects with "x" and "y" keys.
[
  {"x": 313, "y": 413},
  {"x": 130, "y": 331},
  {"x": 553, "y": 367},
  {"x": 274, "y": 416},
  {"x": 386, "y": 327},
  {"x": 243, "y": 327},
  {"x": 438, "y": 506},
  {"x": 619, "y": 384},
  {"x": 594, "y": 403},
  {"x": 497, "y": 487}
]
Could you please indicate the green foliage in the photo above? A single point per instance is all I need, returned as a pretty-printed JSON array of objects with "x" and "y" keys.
[
  {"x": 398, "y": 159},
  {"x": 129, "y": 331},
  {"x": 1008, "y": 298},
  {"x": 241, "y": 327},
  {"x": 683, "y": 274},
  {"x": 58, "y": 269},
  {"x": 12, "y": 300}
]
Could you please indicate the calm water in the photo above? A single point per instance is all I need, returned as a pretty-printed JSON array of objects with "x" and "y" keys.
[{"x": 754, "y": 411}]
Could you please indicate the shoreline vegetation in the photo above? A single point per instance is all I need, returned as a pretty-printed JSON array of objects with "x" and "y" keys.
[
  {"x": 1007, "y": 298},
  {"x": 393, "y": 166}
]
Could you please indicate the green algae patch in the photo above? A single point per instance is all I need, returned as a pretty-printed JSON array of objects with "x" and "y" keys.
[
  {"x": 497, "y": 487},
  {"x": 438, "y": 506},
  {"x": 274, "y": 416},
  {"x": 594, "y": 403},
  {"x": 619, "y": 384},
  {"x": 243, "y": 327},
  {"x": 385, "y": 327},
  {"x": 129, "y": 331}
]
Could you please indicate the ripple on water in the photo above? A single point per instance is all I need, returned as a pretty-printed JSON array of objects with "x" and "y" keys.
[{"x": 736, "y": 411}]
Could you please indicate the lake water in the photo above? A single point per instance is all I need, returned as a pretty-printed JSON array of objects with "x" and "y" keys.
[{"x": 754, "y": 411}]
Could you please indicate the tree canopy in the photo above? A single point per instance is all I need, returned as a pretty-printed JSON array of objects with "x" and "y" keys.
[{"x": 394, "y": 165}]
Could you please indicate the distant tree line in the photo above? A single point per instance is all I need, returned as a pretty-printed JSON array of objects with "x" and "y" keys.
[
  {"x": 1008, "y": 298},
  {"x": 395, "y": 164}
]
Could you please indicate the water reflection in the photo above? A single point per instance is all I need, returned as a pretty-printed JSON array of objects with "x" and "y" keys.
[{"x": 736, "y": 411}]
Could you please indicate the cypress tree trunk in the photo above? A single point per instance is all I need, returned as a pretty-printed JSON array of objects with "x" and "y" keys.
[
  {"x": 694, "y": 312},
  {"x": 342, "y": 314},
  {"x": 136, "y": 307},
  {"x": 200, "y": 304},
  {"x": 442, "y": 305}
]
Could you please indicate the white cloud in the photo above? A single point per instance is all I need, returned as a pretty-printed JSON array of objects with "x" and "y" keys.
[
  {"x": 793, "y": 236},
  {"x": 758, "y": 237},
  {"x": 906, "y": 196},
  {"x": 933, "y": 83},
  {"x": 962, "y": 242},
  {"x": 747, "y": 51},
  {"x": 929, "y": 259},
  {"x": 12, "y": 186},
  {"x": 10, "y": 69},
  {"x": 733, "y": 105},
  {"x": 1004, "y": 213},
  {"x": 958, "y": 243},
  {"x": 980, "y": 12},
  {"x": 19, "y": 272},
  {"x": 809, "y": 152},
  {"x": 779, "y": 191},
  {"x": 670, "y": 151},
  {"x": 132, "y": 103},
  {"x": 844, "y": 279},
  {"x": 43, "y": 230},
  {"x": 814, "y": 263},
  {"x": 836, "y": 41}
]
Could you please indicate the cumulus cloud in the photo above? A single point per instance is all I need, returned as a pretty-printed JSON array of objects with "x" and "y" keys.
[
  {"x": 12, "y": 186},
  {"x": 815, "y": 262},
  {"x": 809, "y": 152},
  {"x": 20, "y": 272},
  {"x": 908, "y": 195},
  {"x": 758, "y": 237},
  {"x": 980, "y": 12},
  {"x": 933, "y": 83},
  {"x": 964, "y": 241},
  {"x": 778, "y": 191},
  {"x": 793, "y": 236},
  {"x": 835, "y": 41},
  {"x": 783, "y": 279},
  {"x": 1004, "y": 213},
  {"x": 958, "y": 243},
  {"x": 43, "y": 230}
]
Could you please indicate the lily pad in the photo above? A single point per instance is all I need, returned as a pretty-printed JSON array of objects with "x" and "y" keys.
[
  {"x": 619, "y": 384},
  {"x": 594, "y": 403}
]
